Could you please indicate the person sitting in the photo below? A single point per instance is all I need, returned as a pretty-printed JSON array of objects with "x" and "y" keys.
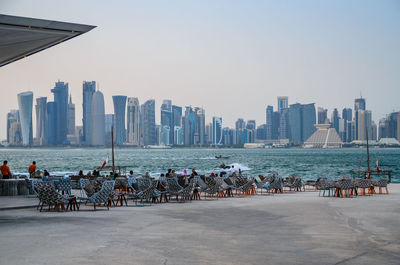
[
  {"x": 5, "y": 170},
  {"x": 32, "y": 169},
  {"x": 194, "y": 173},
  {"x": 80, "y": 174},
  {"x": 46, "y": 173}
]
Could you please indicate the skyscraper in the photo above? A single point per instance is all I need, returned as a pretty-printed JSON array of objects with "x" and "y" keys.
[
  {"x": 284, "y": 124},
  {"x": 167, "y": 117},
  {"x": 217, "y": 130},
  {"x": 359, "y": 104},
  {"x": 188, "y": 126},
  {"x": 71, "y": 117},
  {"x": 176, "y": 119},
  {"x": 88, "y": 89},
  {"x": 322, "y": 115},
  {"x": 60, "y": 92},
  {"x": 347, "y": 114},
  {"x": 301, "y": 122},
  {"x": 282, "y": 103},
  {"x": 268, "y": 121},
  {"x": 178, "y": 134},
  {"x": 98, "y": 137},
  {"x": 109, "y": 122},
  {"x": 133, "y": 121},
  {"x": 25, "y": 102},
  {"x": 14, "y": 136},
  {"x": 364, "y": 124},
  {"x": 119, "y": 119},
  {"x": 51, "y": 123},
  {"x": 200, "y": 126},
  {"x": 335, "y": 120},
  {"x": 148, "y": 123},
  {"x": 251, "y": 131},
  {"x": 41, "y": 119},
  {"x": 164, "y": 135}
]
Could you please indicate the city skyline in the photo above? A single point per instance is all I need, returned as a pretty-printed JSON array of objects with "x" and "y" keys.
[
  {"x": 290, "y": 123},
  {"x": 223, "y": 55}
]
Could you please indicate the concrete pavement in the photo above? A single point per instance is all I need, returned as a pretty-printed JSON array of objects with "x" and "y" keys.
[{"x": 291, "y": 228}]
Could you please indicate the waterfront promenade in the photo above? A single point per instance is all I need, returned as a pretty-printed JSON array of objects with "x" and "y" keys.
[{"x": 289, "y": 228}]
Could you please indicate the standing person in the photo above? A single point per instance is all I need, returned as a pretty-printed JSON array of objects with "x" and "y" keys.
[
  {"x": 5, "y": 170},
  {"x": 32, "y": 169},
  {"x": 233, "y": 170}
]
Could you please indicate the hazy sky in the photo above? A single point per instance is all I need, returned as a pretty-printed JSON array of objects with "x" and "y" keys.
[{"x": 231, "y": 57}]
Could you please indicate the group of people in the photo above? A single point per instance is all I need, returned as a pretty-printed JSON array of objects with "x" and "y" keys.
[{"x": 6, "y": 172}]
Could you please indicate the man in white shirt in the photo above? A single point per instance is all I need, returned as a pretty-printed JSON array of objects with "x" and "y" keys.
[{"x": 232, "y": 170}]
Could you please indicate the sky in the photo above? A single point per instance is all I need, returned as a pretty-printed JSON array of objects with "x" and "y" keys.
[{"x": 233, "y": 58}]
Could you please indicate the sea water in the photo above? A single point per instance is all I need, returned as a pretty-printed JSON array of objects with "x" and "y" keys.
[{"x": 309, "y": 163}]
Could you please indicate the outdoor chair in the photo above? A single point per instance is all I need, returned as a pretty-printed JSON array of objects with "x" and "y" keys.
[
  {"x": 382, "y": 183},
  {"x": 64, "y": 186},
  {"x": 345, "y": 187},
  {"x": 262, "y": 184},
  {"x": 363, "y": 184},
  {"x": 103, "y": 196},
  {"x": 276, "y": 184},
  {"x": 49, "y": 196},
  {"x": 146, "y": 195}
]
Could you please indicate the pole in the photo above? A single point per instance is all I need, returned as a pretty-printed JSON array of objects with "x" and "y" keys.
[
  {"x": 366, "y": 129},
  {"x": 112, "y": 149}
]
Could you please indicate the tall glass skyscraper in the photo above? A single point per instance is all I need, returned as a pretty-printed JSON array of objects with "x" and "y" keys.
[
  {"x": 176, "y": 120},
  {"x": 301, "y": 122},
  {"x": 119, "y": 119},
  {"x": 283, "y": 103},
  {"x": 25, "y": 102},
  {"x": 71, "y": 117},
  {"x": 133, "y": 121},
  {"x": 51, "y": 123},
  {"x": 98, "y": 120},
  {"x": 167, "y": 117},
  {"x": 148, "y": 122},
  {"x": 217, "y": 130},
  {"x": 60, "y": 92},
  {"x": 41, "y": 119},
  {"x": 269, "y": 112},
  {"x": 88, "y": 89}
]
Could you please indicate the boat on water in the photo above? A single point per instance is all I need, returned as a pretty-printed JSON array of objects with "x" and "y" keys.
[{"x": 222, "y": 157}]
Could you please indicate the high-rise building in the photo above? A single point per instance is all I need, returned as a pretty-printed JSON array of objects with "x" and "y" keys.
[
  {"x": 109, "y": 122},
  {"x": 322, "y": 115},
  {"x": 178, "y": 134},
  {"x": 364, "y": 124},
  {"x": 60, "y": 92},
  {"x": 98, "y": 136},
  {"x": 261, "y": 132},
  {"x": 269, "y": 121},
  {"x": 148, "y": 123},
  {"x": 241, "y": 131},
  {"x": 71, "y": 117},
  {"x": 164, "y": 135},
  {"x": 350, "y": 131},
  {"x": 359, "y": 104},
  {"x": 301, "y": 122},
  {"x": 284, "y": 124},
  {"x": 14, "y": 136},
  {"x": 209, "y": 134},
  {"x": 188, "y": 122},
  {"x": 251, "y": 131},
  {"x": 347, "y": 114},
  {"x": 167, "y": 117},
  {"x": 133, "y": 121},
  {"x": 25, "y": 102},
  {"x": 41, "y": 119},
  {"x": 217, "y": 130},
  {"x": 88, "y": 89},
  {"x": 119, "y": 119},
  {"x": 283, "y": 103},
  {"x": 389, "y": 126},
  {"x": 200, "y": 126},
  {"x": 335, "y": 120},
  {"x": 51, "y": 123}
]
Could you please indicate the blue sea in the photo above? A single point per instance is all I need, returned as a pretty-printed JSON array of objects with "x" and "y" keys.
[{"x": 309, "y": 163}]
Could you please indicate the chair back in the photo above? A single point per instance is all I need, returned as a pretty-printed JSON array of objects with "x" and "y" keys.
[
  {"x": 64, "y": 185},
  {"x": 173, "y": 185},
  {"x": 105, "y": 192}
]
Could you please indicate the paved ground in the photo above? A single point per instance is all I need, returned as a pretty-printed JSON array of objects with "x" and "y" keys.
[{"x": 299, "y": 228}]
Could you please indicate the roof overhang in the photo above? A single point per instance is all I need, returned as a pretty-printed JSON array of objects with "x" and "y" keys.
[{"x": 21, "y": 36}]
